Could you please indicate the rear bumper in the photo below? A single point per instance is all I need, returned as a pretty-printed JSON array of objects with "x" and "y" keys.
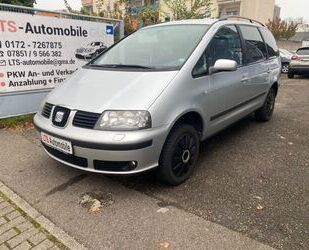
[
  {"x": 99, "y": 151},
  {"x": 299, "y": 69}
]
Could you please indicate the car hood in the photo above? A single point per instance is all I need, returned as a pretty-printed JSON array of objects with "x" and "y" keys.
[{"x": 98, "y": 90}]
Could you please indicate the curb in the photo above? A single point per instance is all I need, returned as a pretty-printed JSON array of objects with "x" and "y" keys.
[{"x": 54, "y": 230}]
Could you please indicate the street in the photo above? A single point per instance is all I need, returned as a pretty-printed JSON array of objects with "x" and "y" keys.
[{"x": 249, "y": 191}]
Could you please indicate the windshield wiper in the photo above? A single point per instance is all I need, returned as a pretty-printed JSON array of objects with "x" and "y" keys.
[{"x": 121, "y": 66}]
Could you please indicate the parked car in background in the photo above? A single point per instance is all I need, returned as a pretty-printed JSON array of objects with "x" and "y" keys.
[
  {"x": 90, "y": 51},
  {"x": 286, "y": 57},
  {"x": 299, "y": 64},
  {"x": 148, "y": 101}
]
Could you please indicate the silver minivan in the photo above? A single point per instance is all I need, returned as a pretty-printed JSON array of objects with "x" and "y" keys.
[{"x": 148, "y": 101}]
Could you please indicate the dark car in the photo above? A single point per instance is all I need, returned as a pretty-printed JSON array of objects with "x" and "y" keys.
[
  {"x": 90, "y": 51},
  {"x": 286, "y": 57}
]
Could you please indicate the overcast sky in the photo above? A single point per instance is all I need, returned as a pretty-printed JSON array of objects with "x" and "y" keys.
[{"x": 289, "y": 8}]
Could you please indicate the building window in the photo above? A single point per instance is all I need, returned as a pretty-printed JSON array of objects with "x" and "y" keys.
[{"x": 232, "y": 13}]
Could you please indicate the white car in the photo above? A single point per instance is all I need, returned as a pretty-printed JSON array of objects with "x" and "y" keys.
[{"x": 90, "y": 51}]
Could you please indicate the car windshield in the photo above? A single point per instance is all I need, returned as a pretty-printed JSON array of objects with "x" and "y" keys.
[
  {"x": 94, "y": 44},
  {"x": 304, "y": 52},
  {"x": 158, "y": 47}
]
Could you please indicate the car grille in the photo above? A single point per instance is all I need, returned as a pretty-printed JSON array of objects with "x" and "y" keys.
[
  {"x": 85, "y": 119},
  {"x": 113, "y": 166},
  {"x": 80, "y": 50},
  {"x": 75, "y": 160},
  {"x": 46, "y": 111},
  {"x": 63, "y": 121}
]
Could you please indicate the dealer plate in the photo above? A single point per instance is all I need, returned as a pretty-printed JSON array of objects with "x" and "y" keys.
[{"x": 57, "y": 143}]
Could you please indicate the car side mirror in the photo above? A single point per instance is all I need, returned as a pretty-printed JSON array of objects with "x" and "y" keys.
[{"x": 223, "y": 65}]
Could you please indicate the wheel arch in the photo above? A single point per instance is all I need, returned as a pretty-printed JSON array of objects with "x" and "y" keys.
[
  {"x": 191, "y": 117},
  {"x": 275, "y": 86}
]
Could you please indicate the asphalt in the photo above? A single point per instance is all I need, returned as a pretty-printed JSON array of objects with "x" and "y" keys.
[{"x": 249, "y": 191}]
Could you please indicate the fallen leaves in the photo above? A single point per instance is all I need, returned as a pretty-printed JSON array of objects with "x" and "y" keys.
[
  {"x": 95, "y": 201},
  {"x": 258, "y": 197},
  {"x": 282, "y": 137},
  {"x": 259, "y": 207},
  {"x": 163, "y": 210},
  {"x": 165, "y": 244}
]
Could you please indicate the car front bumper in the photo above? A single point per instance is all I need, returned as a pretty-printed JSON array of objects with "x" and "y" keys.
[
  {"x": 84, "y": 56},
  {"x": 108, "y": 152}
]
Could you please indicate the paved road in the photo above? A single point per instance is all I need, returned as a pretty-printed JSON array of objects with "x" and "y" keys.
[
  {"x": 252, "y": 180},
  {"x": 250, "y": 166}
]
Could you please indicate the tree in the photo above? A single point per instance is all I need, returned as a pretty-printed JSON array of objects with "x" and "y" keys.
[
  {"x": 27, "y": 3},
  {"x": 282, "y": 29},
  {"x": 184, "y": 9},
  {"x": 67, "y": 5},
  {"x": 134, "y": 17}
]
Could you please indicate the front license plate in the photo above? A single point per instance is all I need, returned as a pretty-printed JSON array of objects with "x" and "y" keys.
[{"x": 57, "y": 143}]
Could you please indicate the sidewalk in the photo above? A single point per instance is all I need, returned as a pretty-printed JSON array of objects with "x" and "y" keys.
[{"x": 22, "y": 227}]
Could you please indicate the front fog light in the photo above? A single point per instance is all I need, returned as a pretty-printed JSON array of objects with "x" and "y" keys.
[{"x": 124, "y": 120}]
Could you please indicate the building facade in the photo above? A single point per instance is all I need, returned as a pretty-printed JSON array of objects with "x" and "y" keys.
[{"x": 261, "y": 10}]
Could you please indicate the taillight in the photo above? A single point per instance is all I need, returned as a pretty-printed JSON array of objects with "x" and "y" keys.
[{"x": 295, "y": 57}]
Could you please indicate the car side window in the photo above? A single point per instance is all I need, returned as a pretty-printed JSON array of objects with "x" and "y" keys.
[
  {"x": 226, "y": 44},
  {"x": 271, "y": 44},
  {"x": 255, "y": 46}
]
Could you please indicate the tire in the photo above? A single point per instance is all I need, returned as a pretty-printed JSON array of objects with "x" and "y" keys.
[
  {"x": 285, "y": 68},
  {"x": 179, "y": 155},
  {"x": 290, "y": 75},
  {"x": 95, "y": 54},
  {"x": 265, "y": 113}
]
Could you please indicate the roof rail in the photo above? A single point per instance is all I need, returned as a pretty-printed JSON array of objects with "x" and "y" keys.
[{"x": 240, "y": 17}]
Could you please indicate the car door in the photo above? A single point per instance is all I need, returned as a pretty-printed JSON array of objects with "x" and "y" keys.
[
  {"x": 273, "y": 56},
  {"x": 256, "y": 78},
  {"x": 224, "y": 90}
]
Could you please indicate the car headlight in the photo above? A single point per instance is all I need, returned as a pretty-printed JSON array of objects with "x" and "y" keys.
[
  {"x": 90, "y": 50},
  {"x": 124, "y": 120}
]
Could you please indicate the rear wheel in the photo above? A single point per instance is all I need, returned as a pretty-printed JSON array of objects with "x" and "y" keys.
[
  {"x": 265, "y": 113},
  {"x": 290, "y": 75},
  {"x": 179, "y": 155}
]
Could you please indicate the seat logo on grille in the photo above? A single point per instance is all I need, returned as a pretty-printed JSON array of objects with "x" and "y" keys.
[{"x": 59, "y": 116}]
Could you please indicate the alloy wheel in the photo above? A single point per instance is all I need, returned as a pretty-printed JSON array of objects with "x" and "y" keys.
[{"x": 184, "y": 155}]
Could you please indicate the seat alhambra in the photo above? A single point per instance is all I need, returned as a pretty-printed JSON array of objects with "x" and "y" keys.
[{"x": 149, "y": 100}]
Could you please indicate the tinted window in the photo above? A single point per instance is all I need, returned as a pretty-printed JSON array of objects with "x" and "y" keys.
[
  {"x": 256, "y": 49},
  {"x": 224, "y": 45},
  {"x": 270, "y": 41},
  {"x": 304, "y": 51}
]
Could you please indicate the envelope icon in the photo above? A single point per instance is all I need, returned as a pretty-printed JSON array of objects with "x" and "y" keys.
[{"x": 2, "y": 63}]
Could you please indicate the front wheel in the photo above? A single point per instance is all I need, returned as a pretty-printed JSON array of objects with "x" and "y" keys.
[
  {"x": 179, "y": 155},
  {"x": 265, "y": 113}
]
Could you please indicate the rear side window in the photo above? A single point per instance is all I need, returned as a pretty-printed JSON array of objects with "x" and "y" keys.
[
  {"x": 271, "y": 44},
  {"x": 303, "y": 52},
  {"x": 255, "y": 46}
]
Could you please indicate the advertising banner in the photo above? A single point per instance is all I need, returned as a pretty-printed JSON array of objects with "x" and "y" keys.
[{"x": 39, "y": 52}]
